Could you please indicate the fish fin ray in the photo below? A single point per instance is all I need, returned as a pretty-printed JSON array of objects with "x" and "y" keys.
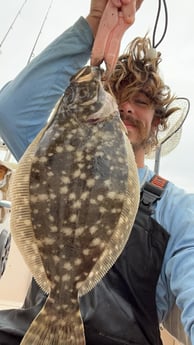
[{"x": 55, "y": 328}]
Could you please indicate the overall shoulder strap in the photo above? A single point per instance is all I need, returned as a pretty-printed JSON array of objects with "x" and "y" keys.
[{"x": 153, "y": 190}]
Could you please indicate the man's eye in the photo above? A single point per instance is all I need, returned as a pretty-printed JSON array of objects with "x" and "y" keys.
[{"x": 141, "y": 101}]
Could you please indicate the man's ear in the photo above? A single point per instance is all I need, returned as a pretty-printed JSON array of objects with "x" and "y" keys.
[{"x": 155, "y": 122}]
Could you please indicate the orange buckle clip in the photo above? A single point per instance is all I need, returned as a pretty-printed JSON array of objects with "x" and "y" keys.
[{"x": 159, "y": 181}]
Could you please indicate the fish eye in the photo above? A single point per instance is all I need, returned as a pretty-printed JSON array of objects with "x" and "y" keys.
[
  {"x": 83, "y": 92},
  {"x": 70, "y": 94},
  {"x": 86, "y": 93}
]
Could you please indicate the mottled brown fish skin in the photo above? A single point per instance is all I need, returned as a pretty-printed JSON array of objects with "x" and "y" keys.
[{"x": 83, "y": 197}]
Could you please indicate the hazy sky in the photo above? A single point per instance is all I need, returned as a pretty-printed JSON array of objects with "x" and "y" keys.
[{"x": 177, "y": 50}]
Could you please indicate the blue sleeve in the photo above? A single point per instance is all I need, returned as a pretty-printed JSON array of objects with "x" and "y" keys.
[
  {"x": 26, "y": 102},
  {"x": 175, "y": 212}
]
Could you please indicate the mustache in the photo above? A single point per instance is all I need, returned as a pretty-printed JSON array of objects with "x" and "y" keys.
[{"x": 133, "y": 121}]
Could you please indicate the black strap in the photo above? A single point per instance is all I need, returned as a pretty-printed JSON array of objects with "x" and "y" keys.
[{"x": 152, "y": 191}]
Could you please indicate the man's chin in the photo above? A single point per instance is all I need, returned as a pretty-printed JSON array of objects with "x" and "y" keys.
[{"x": 137, "y": 145}]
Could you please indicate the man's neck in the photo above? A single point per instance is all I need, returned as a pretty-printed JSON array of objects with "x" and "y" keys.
[{"x": 139, "y": 157}]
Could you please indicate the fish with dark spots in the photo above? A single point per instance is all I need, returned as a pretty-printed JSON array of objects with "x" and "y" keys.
[{"x": 75, "y": 195}]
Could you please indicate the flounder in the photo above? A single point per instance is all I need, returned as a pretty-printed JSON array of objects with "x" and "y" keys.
[{"x": 74, "y": 195}]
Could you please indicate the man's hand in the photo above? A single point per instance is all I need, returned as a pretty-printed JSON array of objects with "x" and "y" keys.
[{"x": 128, "y": 8}]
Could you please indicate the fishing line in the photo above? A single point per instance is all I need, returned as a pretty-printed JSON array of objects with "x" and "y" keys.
[
  {"x": 154, "y": 44},
  {"x": 13, "y": 22},
  {"x": 171, "y": 139},
  {"x": 39, "y": 33}
]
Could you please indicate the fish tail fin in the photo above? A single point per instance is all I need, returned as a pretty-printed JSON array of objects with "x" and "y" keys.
[{"x": 59, "y": 328}]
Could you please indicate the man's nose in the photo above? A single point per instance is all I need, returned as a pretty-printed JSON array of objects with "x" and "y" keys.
[{"x": 125, "y": 109}]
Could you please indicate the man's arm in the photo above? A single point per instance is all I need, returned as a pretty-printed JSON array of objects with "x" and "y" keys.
[
  {"x": 175, "y": 212},
  {"x": 174, "y": 326},
  {"x": 26, "y": 102}
]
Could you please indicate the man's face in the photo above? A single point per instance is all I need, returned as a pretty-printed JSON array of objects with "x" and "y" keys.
[{"x": 137, "y": 115}]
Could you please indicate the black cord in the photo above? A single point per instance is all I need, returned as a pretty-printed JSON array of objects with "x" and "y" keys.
[{"x": 156, "y": 23}]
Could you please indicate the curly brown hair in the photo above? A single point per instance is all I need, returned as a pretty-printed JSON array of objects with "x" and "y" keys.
[{"x": 137, "y": 71}]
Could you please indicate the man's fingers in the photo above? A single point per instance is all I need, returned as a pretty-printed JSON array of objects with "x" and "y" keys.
[
  {"x": 128, "y": 8},
  {"x": 129, "y": 11},
  {"x": 139, "y": 2}
]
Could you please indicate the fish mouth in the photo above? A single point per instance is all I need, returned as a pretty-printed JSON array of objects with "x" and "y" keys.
[
  {"x": 97, "y": 118},
  {"x": 94, "y": 121}
]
